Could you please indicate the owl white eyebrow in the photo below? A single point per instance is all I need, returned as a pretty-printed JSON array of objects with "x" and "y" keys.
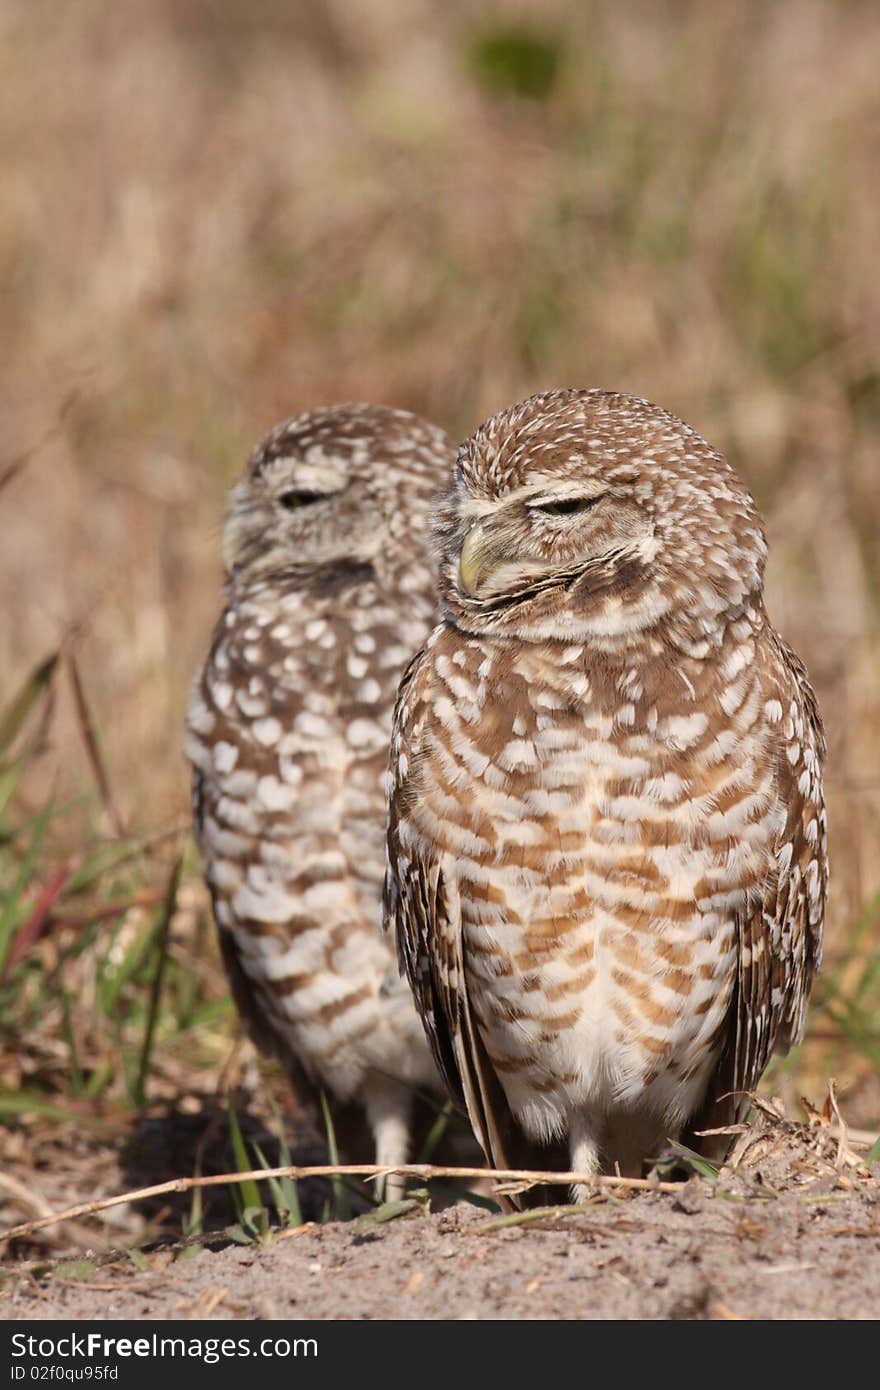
[
  {"x": 571, "y": 494},
  {"x": 308, "y": 478}
]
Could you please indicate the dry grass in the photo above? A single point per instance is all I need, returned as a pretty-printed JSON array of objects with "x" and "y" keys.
[{"x": 215, "y": 214}]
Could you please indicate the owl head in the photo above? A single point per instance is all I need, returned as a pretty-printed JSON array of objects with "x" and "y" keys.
[
  {"x": 593, "y": 516},
  {"x": 342, "y": 485}
]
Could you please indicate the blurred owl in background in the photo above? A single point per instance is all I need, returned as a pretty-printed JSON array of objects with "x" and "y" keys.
[
  {"x": 329, "y": 592},
  {"x": 607, "y": 842}
]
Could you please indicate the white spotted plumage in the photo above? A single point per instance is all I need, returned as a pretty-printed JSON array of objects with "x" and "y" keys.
[
  {"x": 606, "y": 861},
  {"x": 329, "y": 591}
]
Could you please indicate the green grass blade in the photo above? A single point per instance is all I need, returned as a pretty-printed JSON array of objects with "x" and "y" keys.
[
  {"x": 114, "y": 977},
  {"x": 387, "y": 1211},
  {"x": 435, "y": 1133},
  {"x": 167, "y": 913},
  {"x": 194, "y": 1222},
  {"x": 69, "y": 1036},
  {"x": 340, "y": 1193},
  {"x": 246, "y": 1194},
  {"x": 289, "y": 1186},
  {"x": 15, "y": 907},
  {"x": 103, "y": 858},
  {"x": 285, "y": 1193},
  {"x": 16, "y": 713},
  {"x": 10, "y": 776},
  {"x": 696, "y": 1161},
  {"x": 29, "y": 1103}
]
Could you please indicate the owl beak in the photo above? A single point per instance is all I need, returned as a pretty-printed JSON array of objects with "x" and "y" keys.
[{"x": 480, "y": 554}]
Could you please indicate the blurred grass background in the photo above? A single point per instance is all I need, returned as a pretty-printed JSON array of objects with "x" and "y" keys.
[{"x": 215, "y": 213}]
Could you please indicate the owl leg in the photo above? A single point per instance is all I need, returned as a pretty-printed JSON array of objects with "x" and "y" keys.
[
  {"x": 584, "y": 1139},
  {"x": 388, "y": 1104}
]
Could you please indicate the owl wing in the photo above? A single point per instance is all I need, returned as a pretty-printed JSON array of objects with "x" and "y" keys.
[
  {"x": 779, "y": 935},
  {"x": 422, "y": 907},
  {"x": 213, "y": 799},
  {"x": 249, "y": 1007}
]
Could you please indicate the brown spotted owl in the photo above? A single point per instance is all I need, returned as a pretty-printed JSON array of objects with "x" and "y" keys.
[
  {"x": 607, "y": 847},
  {"x": 329, "y": 592}
]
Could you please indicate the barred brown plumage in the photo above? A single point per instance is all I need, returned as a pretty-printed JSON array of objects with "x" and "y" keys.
[
  {"x": 606, "y": 852},
  {"x": 329, "y": 592}
]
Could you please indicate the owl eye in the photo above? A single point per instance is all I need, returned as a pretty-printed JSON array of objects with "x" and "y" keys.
[
  {"x": 566, "y": 506},
  {"x": 293, "y": 499}
]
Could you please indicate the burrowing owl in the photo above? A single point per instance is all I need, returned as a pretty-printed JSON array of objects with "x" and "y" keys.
[
  {"x": 329, "y": 591},
  {"x": 607, "y": 851}
]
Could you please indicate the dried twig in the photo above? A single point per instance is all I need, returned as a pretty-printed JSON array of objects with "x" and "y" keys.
[
  {"x": 28, "y": 1197},
  {"x": 32, "y": 1200},
  {"x": 845, "y": 1155},
  {"x": 426, "y": 1171},
  {"x": 526, "y": 1218},
  {"x": 856, "y": 1138}
]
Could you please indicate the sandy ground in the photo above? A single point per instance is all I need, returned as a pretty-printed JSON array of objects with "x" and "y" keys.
[
  {"x": 793, "y": 1231},
  {"x": 649, "y": 1257}
]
